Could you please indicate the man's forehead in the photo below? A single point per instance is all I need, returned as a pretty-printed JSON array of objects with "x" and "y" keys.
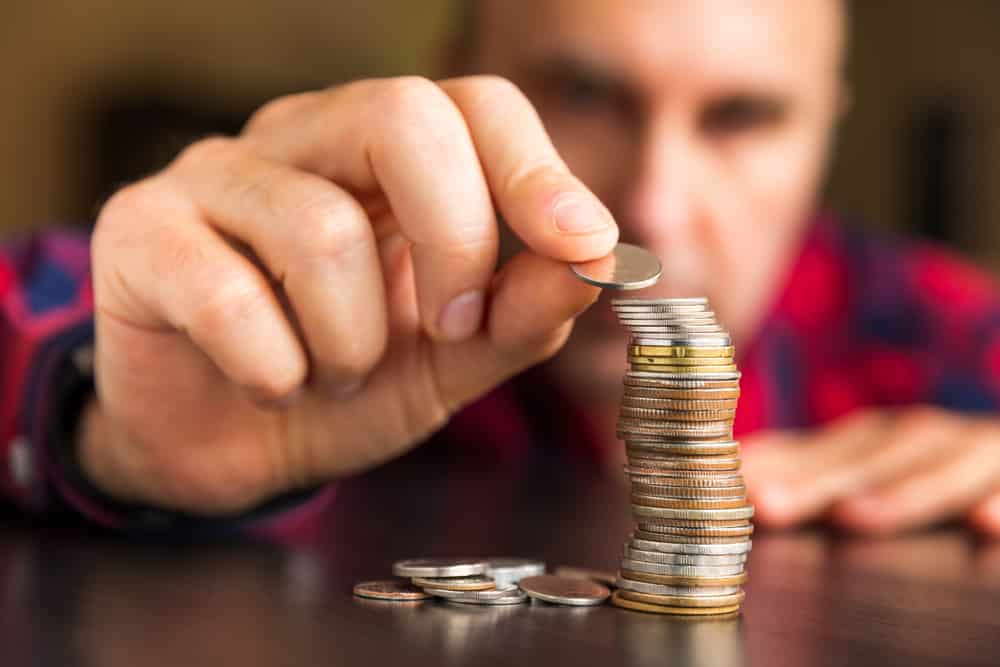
[{"x": 638, "y": 35}]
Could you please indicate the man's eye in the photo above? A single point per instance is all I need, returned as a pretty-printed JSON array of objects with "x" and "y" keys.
[
  {"x": 583, "y": 94},
  {"x": 739, "y": 114}
]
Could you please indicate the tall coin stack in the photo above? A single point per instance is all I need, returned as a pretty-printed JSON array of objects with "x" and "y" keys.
[{"x": 688, "y": 551}]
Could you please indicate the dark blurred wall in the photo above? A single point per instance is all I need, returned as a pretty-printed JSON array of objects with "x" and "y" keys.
[{"x": 96, "y": 91}]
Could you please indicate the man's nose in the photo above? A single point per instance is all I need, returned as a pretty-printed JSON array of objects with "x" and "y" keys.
[{"x": 661, "y": 201}]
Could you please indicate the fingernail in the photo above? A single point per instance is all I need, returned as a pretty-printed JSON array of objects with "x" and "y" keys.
[
  {"x": 574, "y": 214},
  {"x": 461, "y": 318}
]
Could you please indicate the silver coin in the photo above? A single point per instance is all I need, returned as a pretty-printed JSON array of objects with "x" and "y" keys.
[
  {"x": 565, "y": 590},
  {"x": 499, "y": 592},
  {"x": 682, "y": 341},
  {"x": 641, "y": 555},
  {"x": 702, "y": 515},
  {"x": 439, "y": 567},
  {"x": 693, "y": 313},
  {"x": 510, "y": 597},
  {"x": 682, "y": 570},
  {"x": 673, "y": 302},
  {"x": 694, "y": 549},
  {"x": 511, "y": 570},
  {"x": 649, "y": 375},
  {"x": 652, "y": 326},
  {"x": 628, "y": 267},
  {"x": 690, "y": 591}
]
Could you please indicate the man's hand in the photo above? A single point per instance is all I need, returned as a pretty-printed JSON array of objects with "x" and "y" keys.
[
  {"x": 321, "y": 293},
  {"x": 879, "y": 472}
]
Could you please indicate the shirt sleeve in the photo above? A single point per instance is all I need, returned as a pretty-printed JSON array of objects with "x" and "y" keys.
[{"x": 46, "y": 361}]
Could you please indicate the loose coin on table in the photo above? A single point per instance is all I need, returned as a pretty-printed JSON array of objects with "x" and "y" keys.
[
  {"x": 628, "y": 267},
  {"x": 439, "y": 567},
  {"x": 475, "y": 583},
  {"x": 506, "y": 570},
  {"x": 565, "y": 590},
  {"x": 393, "y": 590}
]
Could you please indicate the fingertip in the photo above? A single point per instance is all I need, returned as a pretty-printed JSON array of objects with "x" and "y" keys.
[
  {"x": 774, "y": 506},
  {"x": 462, "y": 317}
]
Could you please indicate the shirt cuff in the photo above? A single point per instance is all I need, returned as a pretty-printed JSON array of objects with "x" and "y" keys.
[{"x": 59, "y": 386}]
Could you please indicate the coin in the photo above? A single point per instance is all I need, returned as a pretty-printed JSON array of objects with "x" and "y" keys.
[
  {"x": 665, "y": 528},
  {"x": 734, "y": 513},
  {"x": 682, "y": 340},
  {"x": 473, "y": 583},
  {"x": 682, "y": 570},
  {"x": 687, "y": 503},
  {"x": 511, "y": 570},
  {"x": 740, "y": 547},
  {"x": 687, "y": 591},
  {"x": 682, "y": 559},
  {"x": 627, "y": 267},
  {"x": 718, "y": 372},
  {"x": 668, "y": 303},
  {"x": 646, "y": 448},
  {"x": 688, "y": 539},
  {"x": 514, "y": 596},
  {"x": 655, "y": 415},
  {"x": 393, "y": 590},
  {"x": 438, "y": 567},
  {"x": 472, "y": 595},
  {"x": 684, "y": 600},
  {"x": 681, "y": 393},
  {"x": 681, "y": 404},
  {"x": 690, "y": 463},
  {"x": 565, "y": 590},
  {"x": 689, "y": 493},
  {"x": 625, "y": 603},
  {"x": 674, "y": 580},
  {"x": 606, "y": 578},
  {"x": 681, "y": 351}
]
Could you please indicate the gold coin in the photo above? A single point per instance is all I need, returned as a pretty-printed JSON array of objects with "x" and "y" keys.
[
  {"x": 665, "y": 530},
  {"x": 679, "y": 351},
  {"x": 686, "y": 405},
  {"x": 687, "y": 503},
  {"x": 665, "y": 538},
  {"x": 686, "y": 463},
  {"x": 655, "y": 414},
  {"x": 674, "y": 580},
  {"x": 619, "y": 601},
  {"x": 711, "y": 601},
  {"x": 656, "y": 380}
]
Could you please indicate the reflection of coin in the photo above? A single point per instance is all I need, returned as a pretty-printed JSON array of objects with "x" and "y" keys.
[
  {"x": 627, "y": 267},
  {"x": 395, "y": 590},
  {"x": 438, "y": 567},
  {"x": 565, "y": 590},
  {"x": 474, "y": 583},
  {"x": 624, "y": 603}
]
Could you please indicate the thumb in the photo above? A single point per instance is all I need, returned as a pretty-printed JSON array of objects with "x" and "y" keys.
[{"x": 534, "y": 302}]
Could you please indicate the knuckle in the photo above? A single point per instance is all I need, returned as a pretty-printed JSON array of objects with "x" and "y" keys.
[
  {"x": 211, "y": 149},
  {"x": 495, "y": 90},
  {"x": 227, "y": 303},
  {"x": 277, "y": 112},
  {"x": 415, "y": 103},
  {"x": 329, "y": 224}
]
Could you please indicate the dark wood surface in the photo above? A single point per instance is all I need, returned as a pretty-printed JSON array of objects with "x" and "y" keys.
[{"x": 813, "y": 598}]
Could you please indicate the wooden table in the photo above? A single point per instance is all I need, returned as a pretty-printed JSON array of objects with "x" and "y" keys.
[{"x": 813, "y": 598}]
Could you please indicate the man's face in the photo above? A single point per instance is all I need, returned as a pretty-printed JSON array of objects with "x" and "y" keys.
[{"x": 703, "y": 124}]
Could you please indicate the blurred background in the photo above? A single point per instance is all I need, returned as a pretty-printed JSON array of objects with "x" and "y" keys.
[{"x": 97, "y": 93}]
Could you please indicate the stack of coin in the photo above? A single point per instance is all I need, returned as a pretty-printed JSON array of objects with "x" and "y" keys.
[{"x": 688, "y": 551}]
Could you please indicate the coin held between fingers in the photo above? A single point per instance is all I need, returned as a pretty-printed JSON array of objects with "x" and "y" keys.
[{"x": 628, "y": 267}]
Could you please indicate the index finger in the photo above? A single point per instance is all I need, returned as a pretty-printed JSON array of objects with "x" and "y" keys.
[{"x": 550, "y": 209}]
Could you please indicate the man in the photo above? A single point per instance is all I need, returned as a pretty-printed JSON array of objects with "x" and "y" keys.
[{"x": 320, "y": 294}]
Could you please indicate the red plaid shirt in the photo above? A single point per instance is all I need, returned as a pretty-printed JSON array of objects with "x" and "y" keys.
[{"x": 861, "y": 321}]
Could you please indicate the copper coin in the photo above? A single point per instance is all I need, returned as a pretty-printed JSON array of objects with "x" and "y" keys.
[
  {"x": 674, "y": 580},
  {"x": 666, "y": 538},
  {"x": 678, "y": 403},
  {"x": 684, "y": 600},
  {"x": 473, "y": 583},
  {"x": 393, "y": 590},
  {"x": 645, "y": 449},
  {"x": 688, "y": 492},
  {"x": 687, "y": 503},
  {"x": 565, "y": 590},
  {"x": 632, "y": 605},
  {"x": 707, "y": 363},
  {"x": 682, "y": 393},
  {"x": 655, "y": 414},
  {"x": 606, "y": 578}
]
